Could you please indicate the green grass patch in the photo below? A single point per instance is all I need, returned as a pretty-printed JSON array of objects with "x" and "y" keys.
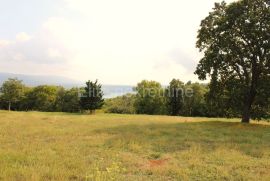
[{"x": 59, "y": 146}]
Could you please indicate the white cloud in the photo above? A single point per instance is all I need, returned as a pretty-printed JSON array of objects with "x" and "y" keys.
[
  {"x": 4, "y": 43},
  {"x": 54, "y": 53},
  {"x": 23, "y": 37},
  {"x": 42, "y": 53}
]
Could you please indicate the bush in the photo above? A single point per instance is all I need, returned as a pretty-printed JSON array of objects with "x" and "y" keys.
[{"x": 120, "y": 105}]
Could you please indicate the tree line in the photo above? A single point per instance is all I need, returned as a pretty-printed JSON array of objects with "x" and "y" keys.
[
  {"x": 177, "y": 99},
  {"x": 17, "y": 96}
]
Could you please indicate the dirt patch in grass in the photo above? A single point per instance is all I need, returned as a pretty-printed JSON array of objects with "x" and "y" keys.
[{"x": 158, "y": 163}]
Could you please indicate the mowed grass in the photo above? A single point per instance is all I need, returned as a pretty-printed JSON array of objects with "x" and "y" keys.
[{"x": 58, "y": 146}]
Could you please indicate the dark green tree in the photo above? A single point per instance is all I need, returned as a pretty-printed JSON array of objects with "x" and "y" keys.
[
  {"x": 92, "y": 97},
  {"x": 175, "y": 97},
  {"x": 194, "y": 100},
  {"x": 12, "y": 91},
  {"x": 71, "y": 101},
  {"x": 235, "y": 40}
]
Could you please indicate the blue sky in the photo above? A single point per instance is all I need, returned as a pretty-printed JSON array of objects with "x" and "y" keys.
[{"x": 117, "y": 42}]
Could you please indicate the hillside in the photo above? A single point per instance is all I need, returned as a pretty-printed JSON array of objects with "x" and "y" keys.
[{"x": 35, "y": 80}]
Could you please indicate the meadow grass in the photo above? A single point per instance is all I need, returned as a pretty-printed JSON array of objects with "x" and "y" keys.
[{"x": 60, "y": 146}]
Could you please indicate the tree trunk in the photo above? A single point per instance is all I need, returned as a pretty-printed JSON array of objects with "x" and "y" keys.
[
  {"x": 9, "y": 106},
  {"x": 248, "y": 103},
  {"x": 246, "y": 114},
  {"x": 92, "y": 112},
  {"x": 251, "y": 93}
]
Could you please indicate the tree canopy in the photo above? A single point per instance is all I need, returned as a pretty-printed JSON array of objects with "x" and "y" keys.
[
  {"x": 12, "y": 91},
  {"x": 149, "y": 98},
  {"x": 235, "y": 41},
  {"x": 175, "y": 97},
  {"x": 92, "y": 97}
]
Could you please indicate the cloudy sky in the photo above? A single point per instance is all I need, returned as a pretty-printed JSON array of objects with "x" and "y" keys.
[{"x": 115, "y": 41}]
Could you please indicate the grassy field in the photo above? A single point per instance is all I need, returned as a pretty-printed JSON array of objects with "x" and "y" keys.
[{"x": 58, "y": 146}]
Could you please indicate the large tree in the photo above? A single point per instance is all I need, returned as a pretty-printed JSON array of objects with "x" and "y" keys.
[
  {"x": 92, "y": 97},
  {"x": 12, "y": 91},
  {"x": 235, "y": 39}
]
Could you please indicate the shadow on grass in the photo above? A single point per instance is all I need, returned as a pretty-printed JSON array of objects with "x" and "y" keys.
[{"x": 167, "y": 138}]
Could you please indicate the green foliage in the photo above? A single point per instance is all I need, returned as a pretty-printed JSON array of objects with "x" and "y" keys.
[
  {"x": 25, "y": 104},
  {"x": 261, "y": 106},
  {"x": 59, "y": 102},
  {"x": 235, "y": 41},
  {"x": 194, "y": 100},
  {"x": 17, "y": 96},
  {"x": 150, "y": 98},
  {"x": 121, "y": 105},
  {"x": 175, "y": 97},
  {"x": 92, "y": 97},
  {"x": 67, "y": 100},
  {"x": 12, "y": 92},
  {"x": 43, "y": 98},
  {"x": 222, "y": 101},
  {"x": 71, "y": 101}
]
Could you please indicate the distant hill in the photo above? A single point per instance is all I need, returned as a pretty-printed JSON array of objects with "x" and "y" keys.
[{"x": 35, "y": 80}]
